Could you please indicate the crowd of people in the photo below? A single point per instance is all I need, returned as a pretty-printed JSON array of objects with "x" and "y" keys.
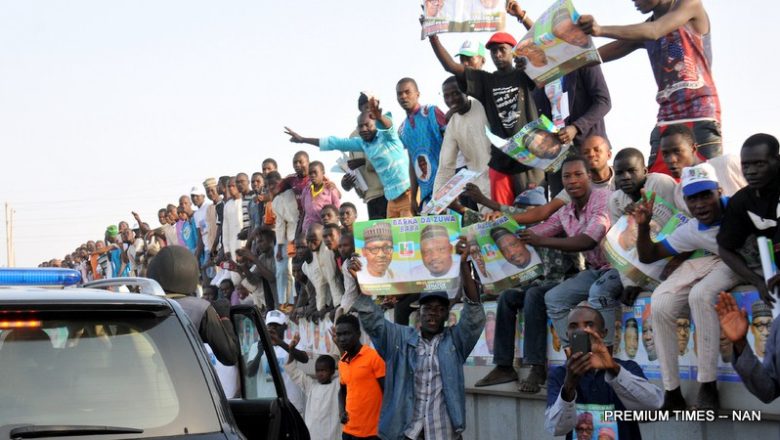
[{"x": 285, "y": 244}]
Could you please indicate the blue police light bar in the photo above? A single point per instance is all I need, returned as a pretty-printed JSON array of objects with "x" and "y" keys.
[{"x": 39, "y": 277}]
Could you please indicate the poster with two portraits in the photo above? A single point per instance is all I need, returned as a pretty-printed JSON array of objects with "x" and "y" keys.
[{"x": 417, "y": 254}]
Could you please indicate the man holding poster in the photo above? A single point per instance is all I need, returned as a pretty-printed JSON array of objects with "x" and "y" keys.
[
  {"x": 509, "y": 106},
  {"x": 425, "y": 397},
  {"x": 677, "y": 39}
]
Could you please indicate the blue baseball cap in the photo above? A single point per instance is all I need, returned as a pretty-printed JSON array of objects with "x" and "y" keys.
[
  {"x": 698, "y": 179},
  {"x": 428, "y": 296}
]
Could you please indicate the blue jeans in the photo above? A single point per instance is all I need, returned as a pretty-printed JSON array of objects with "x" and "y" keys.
[
  {"x": 601, "y": 288},
  {"x": 531, "y": 300}
]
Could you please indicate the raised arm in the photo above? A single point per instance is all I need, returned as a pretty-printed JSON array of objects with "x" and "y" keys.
[
  {"x": 298, "y": 139},
  {"x": 445, "y": 58},
  {"x": 513, "y": 8},
  {"x": 686, "y": 11},
  {"x": 760, "y": 379},
  {"x": 648, "y": 251}
]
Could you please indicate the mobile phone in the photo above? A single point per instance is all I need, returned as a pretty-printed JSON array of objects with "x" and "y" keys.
[{"x": 580, "y": 342}]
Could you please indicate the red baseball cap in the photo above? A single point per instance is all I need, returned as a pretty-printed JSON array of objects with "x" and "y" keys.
[{"x": 501, "y": 38}]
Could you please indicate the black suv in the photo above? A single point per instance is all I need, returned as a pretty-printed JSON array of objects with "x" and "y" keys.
[{"x": 89, "y": 363}]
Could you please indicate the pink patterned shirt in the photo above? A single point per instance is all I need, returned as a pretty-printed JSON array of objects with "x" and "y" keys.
[{"x": 593, "y": 222}]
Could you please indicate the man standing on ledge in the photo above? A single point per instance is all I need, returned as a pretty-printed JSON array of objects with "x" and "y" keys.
[
  {"x": 509, "y": 106},
  {"x": 677, "y": 40},
  {"x": 384, "y": 151}
]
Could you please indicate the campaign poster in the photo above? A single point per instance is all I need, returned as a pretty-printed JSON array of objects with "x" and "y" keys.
[
  {"x": 408, "y": 255},
  {"x": 441, "y": 16},
  {"x": 535, "y": 145},
  {"x": 450, "y": 191},
  {"x": 591, "y": 423},
  {"x": 502, "y": 260},
  {"x": 620, "y": 243},
  {"x": 555, "y": 45}
]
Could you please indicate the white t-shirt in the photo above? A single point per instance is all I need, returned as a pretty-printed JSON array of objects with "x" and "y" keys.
[
  {"x": 728, "y": 169},
  {"x": 693, "y": 236},
  {"x": 200, "y": 222},
  {"x": 660, "y": 184}
]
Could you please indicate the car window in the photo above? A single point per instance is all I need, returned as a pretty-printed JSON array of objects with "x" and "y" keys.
[
  {"x": 258, "y": 380},
  {"x": 134, "y": 370}
]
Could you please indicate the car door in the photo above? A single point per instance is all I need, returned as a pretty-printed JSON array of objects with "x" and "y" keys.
[{"x": 263, "y": 411}]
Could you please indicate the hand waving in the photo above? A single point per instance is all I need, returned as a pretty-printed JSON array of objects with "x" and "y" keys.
[{"x": 733, "y": 321}]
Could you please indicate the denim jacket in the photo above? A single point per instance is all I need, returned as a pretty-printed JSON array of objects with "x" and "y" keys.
[{"x": 397, "y": 344}]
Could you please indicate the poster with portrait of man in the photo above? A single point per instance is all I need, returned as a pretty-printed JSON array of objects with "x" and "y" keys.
[
  {"x": 535, "y": 145},
  {"x": 592, "y": 424},
  {"x": 408, "y": 255},
  {"x": 555, "y": 45},
  {"x": 441, "y": 16},
  {"x": 502, "y": 260},
  {"x": 620, "y": 243}
]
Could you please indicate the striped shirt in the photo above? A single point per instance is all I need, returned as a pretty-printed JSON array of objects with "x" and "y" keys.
[
  {"x": 430, "y": 419},
  {"x": 245, "y": 201}
]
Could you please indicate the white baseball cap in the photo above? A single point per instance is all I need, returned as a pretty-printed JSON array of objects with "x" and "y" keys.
[
  {"x": 698, "y": 178},
  {"x": 275, "y": 317},
  {"x": 197, "y": 190}
]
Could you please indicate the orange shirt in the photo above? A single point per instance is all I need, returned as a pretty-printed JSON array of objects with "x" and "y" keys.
[{"x": 364, "y": 396}]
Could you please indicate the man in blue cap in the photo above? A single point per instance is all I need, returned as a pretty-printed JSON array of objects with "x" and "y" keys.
[{"x": 424, "y": 395}]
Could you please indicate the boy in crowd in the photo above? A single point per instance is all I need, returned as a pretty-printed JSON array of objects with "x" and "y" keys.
[
  {"x": 347, "y": 216},
  {"x": 322, "y": 395}
]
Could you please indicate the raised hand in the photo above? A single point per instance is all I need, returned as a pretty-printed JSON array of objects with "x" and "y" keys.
[
  {"x": 294, "y": 137},
  {"x": 513, "y": 8},
  {"x": 642, "y": 210},
  {"x": 733, "y": 321},
  {"x": 373, "y": 108}
]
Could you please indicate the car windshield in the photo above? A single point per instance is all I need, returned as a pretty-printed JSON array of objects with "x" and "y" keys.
[{"x": 132, "y": 370}]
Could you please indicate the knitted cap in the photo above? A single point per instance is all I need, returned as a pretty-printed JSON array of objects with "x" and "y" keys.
[{"x": 378, "y": 232}]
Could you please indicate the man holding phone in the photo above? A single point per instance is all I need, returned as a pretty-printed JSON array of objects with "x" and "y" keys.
[{"x": 592, "y": 376}]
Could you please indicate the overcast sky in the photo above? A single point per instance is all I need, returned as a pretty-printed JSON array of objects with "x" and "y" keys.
[{"x": 109, "y": 106}]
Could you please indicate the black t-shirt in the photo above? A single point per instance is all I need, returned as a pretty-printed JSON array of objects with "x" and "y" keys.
[
  {"x": 750, "y": 212},
  {"x": 509, "y": 106}
]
